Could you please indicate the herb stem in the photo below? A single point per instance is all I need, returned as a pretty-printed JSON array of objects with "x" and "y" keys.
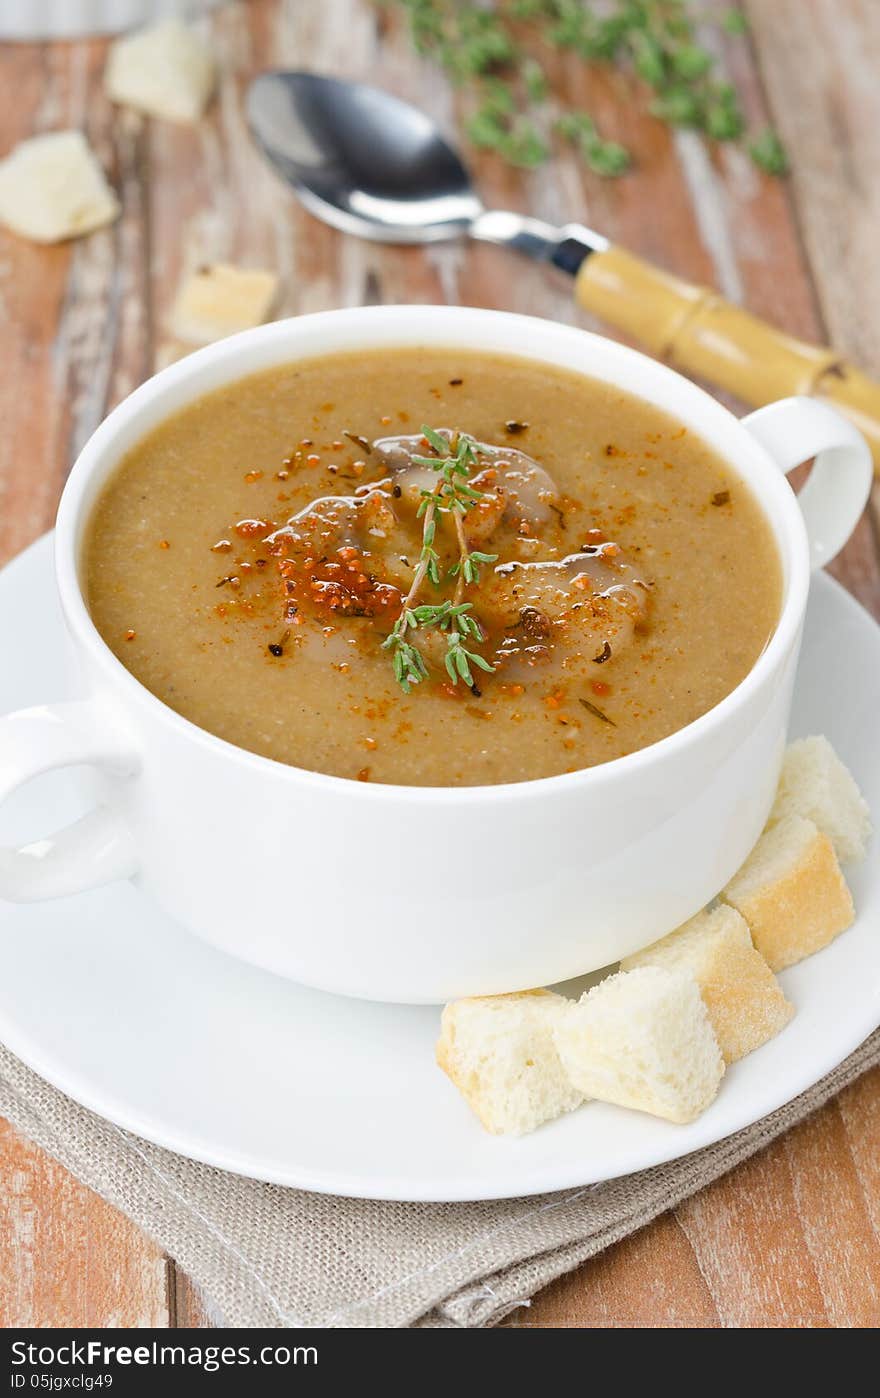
[
  {"x": 453, "y": 494},
  {"x": 421, "y": 572},
  {"x": 463, "y": 555}
]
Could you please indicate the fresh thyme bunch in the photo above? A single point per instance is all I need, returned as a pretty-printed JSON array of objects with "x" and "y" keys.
[
  {"x": 453, "y": 495},
  {"x": 486, "y": 47}
]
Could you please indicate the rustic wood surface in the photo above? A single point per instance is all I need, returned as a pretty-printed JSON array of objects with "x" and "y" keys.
[{"x": 790, "y": 1238}]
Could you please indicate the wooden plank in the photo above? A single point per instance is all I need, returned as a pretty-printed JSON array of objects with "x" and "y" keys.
[
  {"x": 819, "y": 62},
  {"x": 649, "y": 1280},
  {"x": 188, "y": 1308},
  {"x": 836, "y": 1221},
  {"x": 748, "y": 1235},
  {"x": 859, "y": 1107},
  {"x": 32, "y": 289},
  {"x": 66, "y": 1257},
  {"x": 774, "y": 1244},
  {"x": 73, "y": 344}
]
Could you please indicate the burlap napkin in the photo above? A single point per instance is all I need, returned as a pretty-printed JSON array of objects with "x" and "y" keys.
[{"x": 267, "y": 1256}]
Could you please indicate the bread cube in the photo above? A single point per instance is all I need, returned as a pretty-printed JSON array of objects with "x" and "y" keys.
[
  {"x": 791, "y": 892},
  {"x": 815, "y": 784},
  {"x": 221, "y": 300},
  {"x": 500, "y": 1053},
  {"x": 52, "y": 188},
  {"x": 745, "y": 1001},
  {"x": 643, "y": 1039},
  {"x": 165, "y": 71}
]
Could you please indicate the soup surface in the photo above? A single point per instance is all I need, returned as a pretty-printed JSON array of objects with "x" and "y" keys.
[{"x": 554, "y": 575}]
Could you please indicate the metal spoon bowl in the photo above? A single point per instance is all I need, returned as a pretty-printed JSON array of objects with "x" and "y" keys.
[
  {"x": 361, "y": 159},
  {"x": 375, "y": 166}
]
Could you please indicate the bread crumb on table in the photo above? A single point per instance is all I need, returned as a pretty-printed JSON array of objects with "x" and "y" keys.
[
  {"x": 53, "y": 188},
  {"x": 166, "y": 71},
  {"x": 220, "y": 300}
]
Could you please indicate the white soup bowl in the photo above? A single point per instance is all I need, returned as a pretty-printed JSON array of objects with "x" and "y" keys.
[{"x": 323, "y": 879}]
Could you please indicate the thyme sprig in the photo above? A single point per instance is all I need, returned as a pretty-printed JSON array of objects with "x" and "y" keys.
[{"x": 453, "y": 495}]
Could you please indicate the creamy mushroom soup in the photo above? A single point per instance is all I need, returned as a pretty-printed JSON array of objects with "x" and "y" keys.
[{"x": 431, "y": 567}]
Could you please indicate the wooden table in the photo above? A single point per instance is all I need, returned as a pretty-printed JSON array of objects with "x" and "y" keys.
[{"x": 790, "y": 1238}]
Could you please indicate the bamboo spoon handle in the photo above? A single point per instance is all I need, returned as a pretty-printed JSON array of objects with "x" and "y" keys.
[{"x": 697, "y": 331}]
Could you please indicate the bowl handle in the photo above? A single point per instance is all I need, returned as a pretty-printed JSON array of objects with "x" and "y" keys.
[
  {"x": 93, "y": 850},
  {"x": 837, "y": 489}
]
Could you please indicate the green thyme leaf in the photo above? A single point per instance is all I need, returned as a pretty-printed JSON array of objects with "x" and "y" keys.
[
  {"x": 735, "y": 22},
  {"x": 691, "y": 61},
  {"x": 678, "y": 106},
  {"x": 607, "y": 158},
  {"x": 440, "y": 444},
  {"x": 769, "y": 154}
]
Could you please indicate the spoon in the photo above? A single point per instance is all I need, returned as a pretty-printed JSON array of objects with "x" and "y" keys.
[
  {"x": 369, "y": 164},
  {"x": 377, "y": 167}
]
